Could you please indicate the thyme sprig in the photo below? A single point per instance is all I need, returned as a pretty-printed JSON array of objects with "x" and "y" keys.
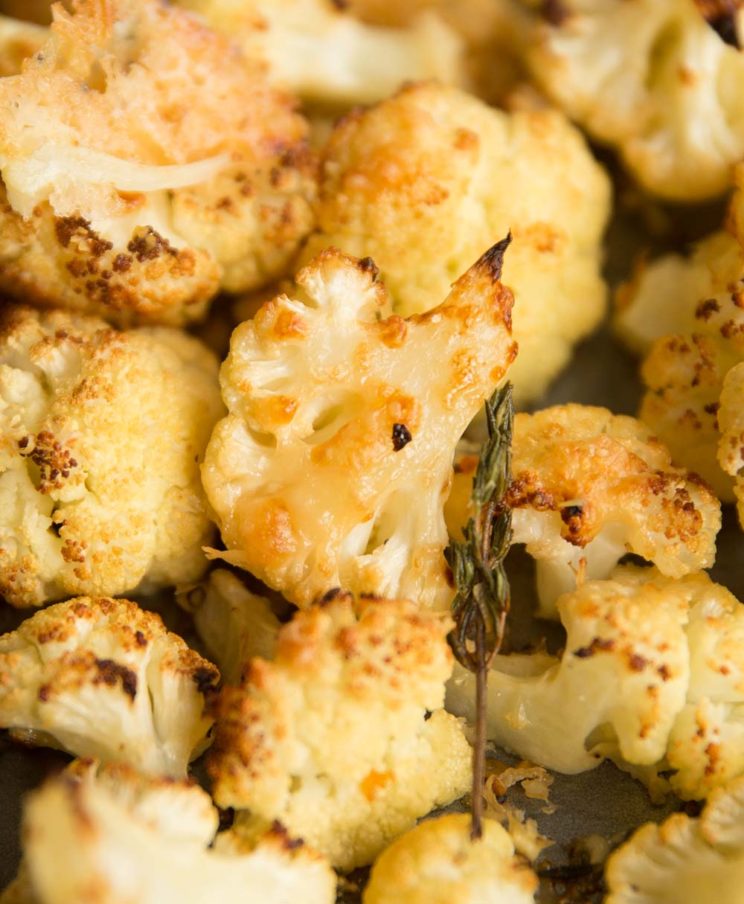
[{"x": 483, "y": 596}]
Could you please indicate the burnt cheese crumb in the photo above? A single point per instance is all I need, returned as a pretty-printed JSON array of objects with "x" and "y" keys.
[{"x": 401, "y": 436}]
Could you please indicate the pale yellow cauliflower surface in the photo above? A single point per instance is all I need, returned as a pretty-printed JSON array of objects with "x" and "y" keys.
[
  {"x": 588, "y": 487},
  {"x": 332, "y": 737},
  {"x": 110, "y": 835},
  {"x": 437, "y": 863},
  {"x": 653, "y": 79},
  {"x": 426, "y": 180},
  {"x": 684, "y": 860},
  {"x": 320, "y": 52},
  {"x": 101, "y": 433},
  {"x": 145, "y": 164},
  {"x": 652, "y": 676},
  {"x": 332, "y": 466},
  {"x": 102, "y": 677}
]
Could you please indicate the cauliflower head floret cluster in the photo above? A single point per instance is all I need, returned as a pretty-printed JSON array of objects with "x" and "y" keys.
[
  {"x": 427, "y": 179},
  {"x": 439, "y": 863},
  {"x": 102, "y": 677},
  {"x": 652, "y": 676},
  {"x": 332, "y": 466},
  {"x": 334, "y": 737},
  {"x": 587, "y": 488},
  {"x": 101, "y": 432},
  {"x": 146, "y": 163},
  {"x": 132, "y": 838},
  {"x": 654, "y": 80},
  {"x": 320, "y": 52},
  {"x": 684, "y": 859}
]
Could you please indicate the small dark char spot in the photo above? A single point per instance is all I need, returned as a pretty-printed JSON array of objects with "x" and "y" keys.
[
  {"x": 494, "y": 257},
  {"x": 329, "y": 596},
  {"x": 290, "y": 844},
  {"x": 598, "y": 644},
  {"x": 110, "y": 672},
  {"x": 369, "y": 266},
  {"x": 637, "y": 662},
  {"x": 140, "y": 638},
  {"x": 205, "y": 679},
  {"x": 401, "y": 436}
]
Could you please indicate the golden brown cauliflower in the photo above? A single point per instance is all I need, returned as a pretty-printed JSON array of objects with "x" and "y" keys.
[
  {"x": 102, "y": 677},
  {"x": 731, "y": 424},
  {"x": 18, "y": 40},
  {"x": 145, "y": 163},
  {"x": 332, "y": 466},
  {"x": 110, "y": 835},
  {"x": 100, "y": 437},
  {"x": 439, "y": 863},
  {"x": 342, "y": 737},
  {"x": 587, "y": 488},
  {"x": 316, "y": 50},
  {"x": 426, "y": 180},
  {"x": 655, "y": 80},
  {"x": 652, "y": 676}
]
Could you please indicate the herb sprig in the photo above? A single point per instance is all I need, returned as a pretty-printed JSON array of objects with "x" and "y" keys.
[{"x": 483, "y": 595}]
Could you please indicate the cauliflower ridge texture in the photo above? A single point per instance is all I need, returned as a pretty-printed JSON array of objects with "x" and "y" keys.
[
  {"x": 145, "y": 163},
  {"x": 332, "y": 466},
  {"x": 332, "y": 737},
  {"x": 102, "y": 677},
  {"x": 100, "y": 436},
  {"x": 425, "y": 180}
]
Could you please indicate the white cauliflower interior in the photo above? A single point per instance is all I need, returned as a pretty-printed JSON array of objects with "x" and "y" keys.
[
  {"x": 427, "y": 179},
  {"x": 652, "y": 675},
  {"x": 683, "y": 859},
  {"x": 145, "y": 163},
  {"x": 101, "y": 433},
  {"x": 587, "y": 488},
  {"x": 317, "y": 50},
  {"x": 438, "y": 863},
  {"x": 103, "y": 678},
  {"x": 342, "y": 737},
  {"x": 332, "y": 466},
  {"x": 652, "y": 79},
  {"x": 146, "y": 840}
]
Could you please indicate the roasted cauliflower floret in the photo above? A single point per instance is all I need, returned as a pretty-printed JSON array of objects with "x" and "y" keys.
[
  {"x": 145, "y": 163},
  {"x": 587, "y": 488},
  {"x": 684, "y": 860},
  {"x": 101, "y": 433},
  {"x": 18, "y": 40},
  {"x": 731, "y": 423},
  {"x": 332, "y": 466},
  {"x": 652, "y": 675},
  {"x": 426, "y": 180},
  {"x": 317, "y": 50},
  {"x": 234, "y": 624},
  {"x": 146, "y": 840},
  {"x": 101, "y": 677},
  {"x": 438, "y": 863},
  {"x": 342, "y": 737},
  {"x": 652, "y": 79}
]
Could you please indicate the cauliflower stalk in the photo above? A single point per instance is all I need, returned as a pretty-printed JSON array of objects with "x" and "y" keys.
[
  {"x": 588, "y": 487},
  {"x": 138, "y": 839},
  {"x": 652, "y": 79},
  {"x": 332, "y": 466},
  {"x": 100, "y": 437},
  {"x": 439, "y": 863},
  {"x": 101, "y": 677},
  {"x": 342, "y": 737},
  {"x": 145, "y": 164},
  {"x": 428, "y": 178},
  {"x": 652, "y": 676}
]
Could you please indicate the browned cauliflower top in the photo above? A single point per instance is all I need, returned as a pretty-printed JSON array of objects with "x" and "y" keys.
[{"x": 333, "y": 463}]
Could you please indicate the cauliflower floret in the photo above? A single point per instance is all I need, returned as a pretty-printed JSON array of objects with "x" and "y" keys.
[
  {"x": 652, "y": 79},
  {"x": 234, "y": 624},
  {"x": 100, "y": 437},
  {"x": 684, "y": 860},
  {"x": 428, "y": 178},
  {"x": 332, "y": 467},
  {"x": 588, "y": 487},
  {"x": 343, "y": 737},
  {"x": 129, "y": 838},
  {"x": 652, "y": 675},
  {"x": 315, "y": 49},
  {"x": 438, "y": 863},
  {"x": 731, "y": 424},
  {"x": 101, "y": 677},
  {"x": 18, "y": 40},
  {"x": 145, "y": 163}
]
